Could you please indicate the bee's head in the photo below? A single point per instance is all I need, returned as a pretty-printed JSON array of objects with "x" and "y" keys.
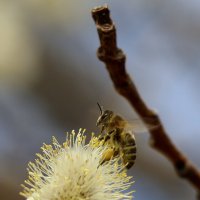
[{"x": 104, "y": 117}]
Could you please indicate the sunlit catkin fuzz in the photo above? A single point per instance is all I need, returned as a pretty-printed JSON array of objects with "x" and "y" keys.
[{"x": 72, "y": 171}]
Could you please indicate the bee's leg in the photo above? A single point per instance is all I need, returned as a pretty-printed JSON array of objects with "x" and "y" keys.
[
  {"x": 106, "y": 138},
  {"x": 101, "y": 137},
  {"x": 102, "y": 129},
  {"x": 116, "y": 152},
  {"x": 107, "y": 155},
  {"x": 109, "y": 133},
  {"x": 101, "y": 163}
]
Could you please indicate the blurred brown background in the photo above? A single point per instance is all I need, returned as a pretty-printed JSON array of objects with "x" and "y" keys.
[{"x": 51, "y": 80}]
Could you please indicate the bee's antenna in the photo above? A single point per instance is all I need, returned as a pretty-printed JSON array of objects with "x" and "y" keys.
[{"x": 100, "y": 108}]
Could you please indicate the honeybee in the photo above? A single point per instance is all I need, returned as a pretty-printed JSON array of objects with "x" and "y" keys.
[{"x": 118, "y": 136}]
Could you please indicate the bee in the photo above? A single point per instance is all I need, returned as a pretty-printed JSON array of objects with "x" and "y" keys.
[{"x": 118, "y": 136}]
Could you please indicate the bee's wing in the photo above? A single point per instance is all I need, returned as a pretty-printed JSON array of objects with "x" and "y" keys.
[{"x": 138, "y": 126}]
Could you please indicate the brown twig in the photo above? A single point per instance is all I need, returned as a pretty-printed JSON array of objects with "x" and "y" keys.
[{"x": 114, "y": 59}]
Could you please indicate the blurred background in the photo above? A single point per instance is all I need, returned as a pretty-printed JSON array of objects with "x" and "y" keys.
[{"x": 50, "y": 81}]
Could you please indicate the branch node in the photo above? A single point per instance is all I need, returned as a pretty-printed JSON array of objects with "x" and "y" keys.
[
  {"x": 105, "y": 57},
  {"x": 181, "y": 168}
]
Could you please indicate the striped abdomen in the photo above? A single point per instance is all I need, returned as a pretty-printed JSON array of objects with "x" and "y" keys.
[{"x": 128, "y": 150}]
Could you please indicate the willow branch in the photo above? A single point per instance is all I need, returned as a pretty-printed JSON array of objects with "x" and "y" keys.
[{"x": 114, "y": 59}]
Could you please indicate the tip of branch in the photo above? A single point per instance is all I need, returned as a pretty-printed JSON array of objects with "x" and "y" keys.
[{"x": 101, "y": 15}]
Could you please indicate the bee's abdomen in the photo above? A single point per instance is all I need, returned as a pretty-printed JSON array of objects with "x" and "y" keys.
[{"x": 129, "y": 151}]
